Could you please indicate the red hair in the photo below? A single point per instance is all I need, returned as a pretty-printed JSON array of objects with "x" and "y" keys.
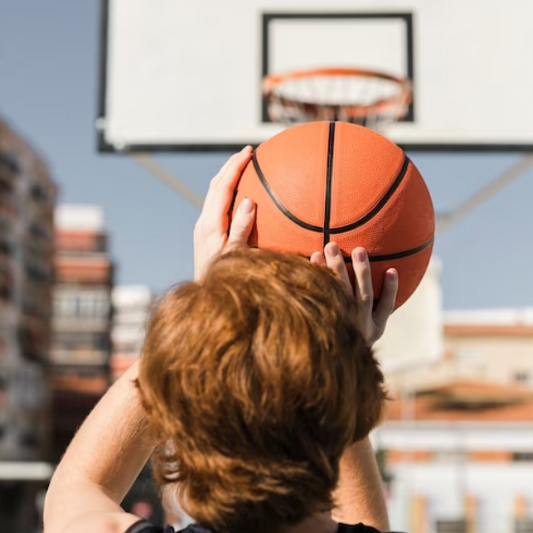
[{"x": 254, "y": 381}]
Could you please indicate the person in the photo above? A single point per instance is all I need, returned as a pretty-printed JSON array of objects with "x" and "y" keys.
[{"x": 254, "y": 395}]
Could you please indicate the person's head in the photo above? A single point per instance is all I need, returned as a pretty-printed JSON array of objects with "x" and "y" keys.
[{"x": 254, "y": 381}]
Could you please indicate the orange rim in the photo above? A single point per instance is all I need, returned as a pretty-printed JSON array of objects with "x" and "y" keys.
[{"x": 273, "y": 81}]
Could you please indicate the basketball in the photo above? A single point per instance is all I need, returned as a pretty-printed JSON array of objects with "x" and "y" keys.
[{"x": 334, "y": 181}]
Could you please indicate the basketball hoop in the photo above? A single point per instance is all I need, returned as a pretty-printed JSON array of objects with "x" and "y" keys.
[{"x": 364, "y": 97}]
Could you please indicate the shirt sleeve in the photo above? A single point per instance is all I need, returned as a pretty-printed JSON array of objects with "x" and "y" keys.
[
  {"x": 142, "y": 526},
  {"x": 357, "y": 528}
]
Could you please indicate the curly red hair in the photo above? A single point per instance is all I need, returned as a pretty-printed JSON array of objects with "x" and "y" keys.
[{"x": 254, "y": 381}]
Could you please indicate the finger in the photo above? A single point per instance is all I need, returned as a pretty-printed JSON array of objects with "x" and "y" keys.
[
  {"x": 363, "y": 278},
  {"x": 220, "y": 194},
  {"x": 318, "y": 259},
  {"x": 242, "y": 224},
  {"x": 222, "y": 172},
  {"x": 232, "y": 170},
  {"x": 387, "y": 300},
  {"x": 223, "y": 193},
  {"x": 335, "y": 261}
]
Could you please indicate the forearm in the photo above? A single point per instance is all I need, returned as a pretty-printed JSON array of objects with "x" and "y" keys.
[
  {"x": 359, "y": 495},
  {"x": 104, "y": 458}
]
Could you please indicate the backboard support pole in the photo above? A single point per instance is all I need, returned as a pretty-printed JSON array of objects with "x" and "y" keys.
[
  {"x": 168, "y": 178},
  {"x": 446, "y": 220}
]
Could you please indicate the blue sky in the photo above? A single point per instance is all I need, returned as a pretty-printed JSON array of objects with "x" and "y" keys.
[{"x": 48, "y": 92}]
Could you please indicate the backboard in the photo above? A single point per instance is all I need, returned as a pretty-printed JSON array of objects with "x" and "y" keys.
[{"x": 179, "y": 75}]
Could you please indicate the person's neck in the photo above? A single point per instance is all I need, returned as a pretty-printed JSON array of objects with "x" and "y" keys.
[{"x": 315, "y": 523}]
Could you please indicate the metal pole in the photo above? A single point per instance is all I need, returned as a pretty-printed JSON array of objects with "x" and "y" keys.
[
  {"x": 165, "y": 176},
  {"x": 447, "y": 219}
]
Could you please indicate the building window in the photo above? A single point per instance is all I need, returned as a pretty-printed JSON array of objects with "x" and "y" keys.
[
  {"x": 84, "y": 304},
  {"x": 65, "y": 304},
  {"x": 81, "y": 340},
  {"x": 523, "y": 526},
  {"x": 520, "y": 457},
  {"x": 93, "y": 305},
  {"x": 9, "y": 162},
  {"x": 521, "y": 376},
  {"x": 451, "y": 526}
]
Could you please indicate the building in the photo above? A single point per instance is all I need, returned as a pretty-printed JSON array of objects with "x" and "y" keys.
[
  {"x": 457, "y": 440},
  {"x": 458, "y": 435},
  {"x": 461, "y": 458},
  {"x": 491, "y": 344},
  {"x": 27, "y": 198},
  {"x": 79, "y": 359},
  {"x": 131, "y": 304},
  {"x": 414, "y": 334}
]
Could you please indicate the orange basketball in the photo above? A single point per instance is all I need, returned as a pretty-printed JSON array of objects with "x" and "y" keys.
[{"x": 334, "y": 181}]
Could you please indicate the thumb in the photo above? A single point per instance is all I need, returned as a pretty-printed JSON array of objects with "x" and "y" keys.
[{"x": 242, "y": 224}]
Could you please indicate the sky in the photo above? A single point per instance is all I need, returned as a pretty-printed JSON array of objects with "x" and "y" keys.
[{"x": 48, "y": 93}]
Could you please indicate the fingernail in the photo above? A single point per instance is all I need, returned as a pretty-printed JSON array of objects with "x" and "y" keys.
[
  {"x": 246, "y": 206},
  {"x": 333, "y": 249},
  {"x": 246, "y": 149},
  {"x": 392, "y": 274},
  {"x": 360, "y": 253}
]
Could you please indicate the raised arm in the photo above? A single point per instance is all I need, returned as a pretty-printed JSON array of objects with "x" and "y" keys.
[
  {"x": 110, "y": 449},
  {"x": 359, "y": 495},
  {"x": 100, "y": 465}
]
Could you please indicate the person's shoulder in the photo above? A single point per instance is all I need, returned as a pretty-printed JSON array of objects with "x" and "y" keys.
[{"x": 358, "y": 528}]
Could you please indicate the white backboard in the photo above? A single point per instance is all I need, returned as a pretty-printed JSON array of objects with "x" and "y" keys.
[{"x": 186, "y": 75}]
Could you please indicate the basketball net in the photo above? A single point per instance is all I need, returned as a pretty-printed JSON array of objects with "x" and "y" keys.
[{"x": 364, "y": 97}]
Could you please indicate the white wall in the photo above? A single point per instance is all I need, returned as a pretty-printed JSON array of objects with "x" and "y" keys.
[{"x": 414, "y": 333}]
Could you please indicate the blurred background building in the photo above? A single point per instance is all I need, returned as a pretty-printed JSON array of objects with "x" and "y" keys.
[
  {"x": 81, "y": 348},
  {"x": 131, "y": 304},
  {"x": 27, "y": 198},
  {"x": 460, "y": 457},
  {"x": 457, "y": 442}
]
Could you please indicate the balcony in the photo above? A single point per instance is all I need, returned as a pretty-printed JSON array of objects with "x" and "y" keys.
[
  {"x": 84, "y": 270},
  {"x": 79, "y": 357},
  {"x": 81, "y": 242}
]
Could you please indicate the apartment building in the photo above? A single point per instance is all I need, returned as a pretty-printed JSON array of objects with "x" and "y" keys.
[
  {"x": 81, "y": 348},
  {"x": 27, "y": 198},
  {"x": 131, "y": 305}
]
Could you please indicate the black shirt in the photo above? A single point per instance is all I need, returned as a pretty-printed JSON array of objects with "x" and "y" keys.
[{"x": 142, "y": 526}]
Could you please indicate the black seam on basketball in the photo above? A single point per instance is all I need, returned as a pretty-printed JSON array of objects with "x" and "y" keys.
[
  {"x": 397, "y": 255},
  {"x": 386, "y": 197},
  {"x": 276, "y": 200},
  {"x": 232, "y": 206},
  {"x": 329, "y": 179}
]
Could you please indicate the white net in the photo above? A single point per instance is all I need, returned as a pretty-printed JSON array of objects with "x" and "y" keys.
[{"x": 370, "y": 99}]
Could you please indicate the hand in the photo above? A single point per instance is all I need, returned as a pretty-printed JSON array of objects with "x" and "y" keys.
[
  {"x": 211, "y": 234},
  {"x": 372, "y": 320}
]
